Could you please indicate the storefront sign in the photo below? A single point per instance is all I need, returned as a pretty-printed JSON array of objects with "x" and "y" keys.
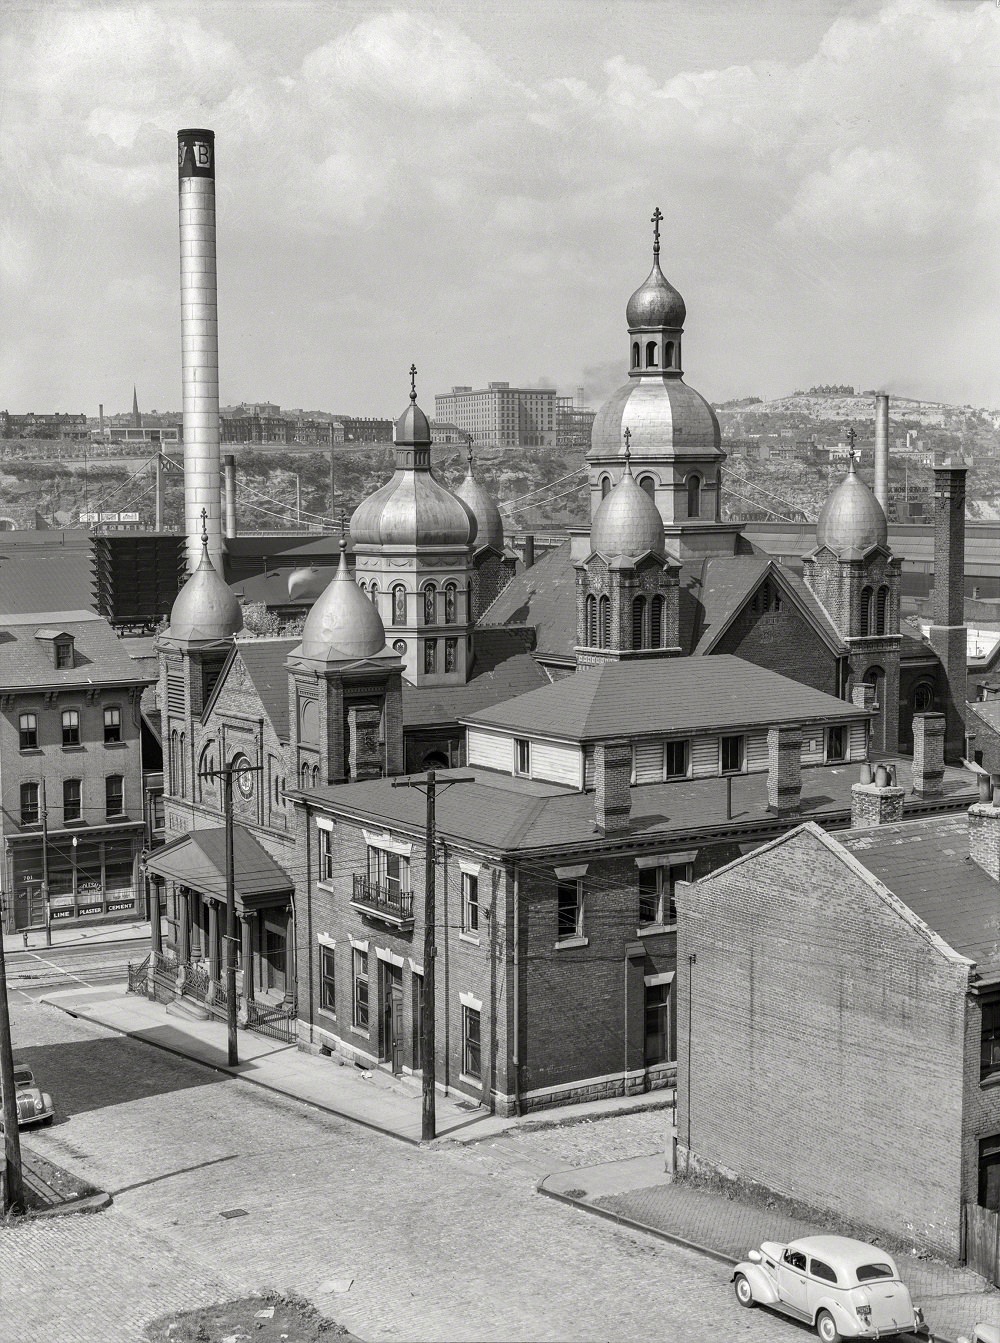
[
  {"x": 60, "y": 914},
  {"x": 117, "y": 906}
]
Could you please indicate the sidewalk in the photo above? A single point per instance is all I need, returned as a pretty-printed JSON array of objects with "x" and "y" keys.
[
  {"x": 639, "y": 1193},
  {"x": 71, "y": 937},
  {"x": 375, "y": 1098}
]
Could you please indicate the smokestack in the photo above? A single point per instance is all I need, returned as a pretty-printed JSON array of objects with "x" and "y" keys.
[
  {"x": 947, "y": 634},
  {"x": 882, "y": 450},
  {"x": 229, "y": 462},
  {"x": 199, "y": 342},
  {"x": 100, "y": 419}
]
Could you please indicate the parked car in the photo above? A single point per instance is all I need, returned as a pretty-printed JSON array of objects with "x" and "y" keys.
[
  {"x": 982, "y": 1333},
  {"x": 34, "y": 1106},
  {"x": 842, "y": 1287}
]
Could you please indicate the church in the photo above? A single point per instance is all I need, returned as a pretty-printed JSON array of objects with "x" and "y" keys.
[{"x": 609, "y": 758}]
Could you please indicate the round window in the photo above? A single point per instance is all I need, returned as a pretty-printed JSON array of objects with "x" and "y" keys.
[
  {"x": 243, "y": 776},
  {"x": 399, "y": 646}
]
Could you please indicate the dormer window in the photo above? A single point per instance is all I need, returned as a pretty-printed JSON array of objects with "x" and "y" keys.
[
  {"x": 63, "y": 653},
  {"x": 522, "y": 757},
  {"x": 59, "y": 646}
]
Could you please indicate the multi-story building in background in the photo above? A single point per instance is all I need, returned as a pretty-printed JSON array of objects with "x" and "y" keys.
[
  {"x": 510, "y": 417},
  {"x": 263, "y": 422},
  {"x": 42, "y": 426}
]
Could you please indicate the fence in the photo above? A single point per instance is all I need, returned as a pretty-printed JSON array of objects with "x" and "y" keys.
[
  {"x": 276, "y": 1022},
  {"x": 138, "y": 977},
  {"x": 982, "y": 1241}
]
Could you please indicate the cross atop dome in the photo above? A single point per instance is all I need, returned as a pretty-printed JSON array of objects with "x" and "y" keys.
[
  {"x": 655, "y": 221},
  {"x": 413, "y": 382}
]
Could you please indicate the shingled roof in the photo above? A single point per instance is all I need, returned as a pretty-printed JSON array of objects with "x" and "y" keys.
[
  {"x": 631, "y": 699},
  {"x": 264, "y": 660},
  {"x": 101, "y": 657}
]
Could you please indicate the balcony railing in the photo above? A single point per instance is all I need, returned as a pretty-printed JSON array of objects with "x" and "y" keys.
[{"x": 387, "y": 903}]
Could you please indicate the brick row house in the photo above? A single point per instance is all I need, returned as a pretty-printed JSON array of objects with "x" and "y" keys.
[
  {"x": 71, "y": 785},
  {"x": 841, "y": 994}
]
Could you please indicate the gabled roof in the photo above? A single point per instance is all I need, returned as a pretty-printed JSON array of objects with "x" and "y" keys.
[
  {"x": 668, "y": 695},
  {"x": 730, "y": 581},
  {"x": 543, "y": 596},
  {"x": 101, "y": 657},
  {"x": 264, "y": 663}
]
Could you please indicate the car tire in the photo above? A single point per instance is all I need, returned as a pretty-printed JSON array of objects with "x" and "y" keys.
[
  {"x": 826, "y": 1327},
  {"x": 744, "y": 1292}
]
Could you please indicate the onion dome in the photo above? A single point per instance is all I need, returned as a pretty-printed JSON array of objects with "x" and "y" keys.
[
  {"x": 414, "y": 508},
  {"x": 205, "y": 610},
  {"x": 627, "y": 521},
  {"x": 668, "y": 419},
  {"x": 489, "y": 523},
  {"x": 852, "y": 518},
  {"x": 656, "y": 303},
  {"x": 343, "y": 623}
]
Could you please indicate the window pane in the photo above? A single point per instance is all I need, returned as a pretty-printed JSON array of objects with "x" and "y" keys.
[
  {"x": 732, "y": 754},
  {"x": 471, "y": 1063},
  {"x": 649, "y": 895},
  {"x": 677, "y": 759},
  {"x": 326, "y": 984},
  {"x": 567, "y": 909},
  {"x": 361, "y": 989}
]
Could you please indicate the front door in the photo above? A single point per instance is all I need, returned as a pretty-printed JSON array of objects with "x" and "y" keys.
[
  {"x": 392, "y": 1015},
  {"x": 274, "y": 958}
]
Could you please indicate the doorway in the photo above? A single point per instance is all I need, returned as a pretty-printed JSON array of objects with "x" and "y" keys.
[
  {"x": 274, "y": 958},
  {"x": 392, "y": 1015},
  {"x": 418, "y": 1022}
]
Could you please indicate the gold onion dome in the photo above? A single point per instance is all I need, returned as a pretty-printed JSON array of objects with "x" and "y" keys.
[
  {"x": 852, "y": 518},
  {"x": 627, "y": 521},
  {"x": 414, "y": 508},
  {"x": 205, "y": 610},
  {"x": 489, "y": 523},
  {"x": 343, "y": 623}
]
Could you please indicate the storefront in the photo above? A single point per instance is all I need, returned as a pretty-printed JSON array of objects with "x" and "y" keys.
[{"x": 91, "y": 875}]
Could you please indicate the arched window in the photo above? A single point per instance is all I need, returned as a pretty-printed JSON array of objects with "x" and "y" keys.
[
  {"x": 875, "y": 677},
  {"x": 605, "y": 619},
  {"x": 175, "y": 756},
  {"x": 923, "y": 697},
  {"x": 651, "y": 354},
  {"x": 648, "y": 484},
  {"x": 305, "y": 776},
  {"x": 206, "y": 772},
  {"x": 881, "y": 607},
  {"x": 399, "y": 605},
  {"x": 373, "y": 593},
  {"x": 315, "y": 776},
  {"x": 430, "y": 604},
  {"x": 694, "y": 496},
  {"x": 668, "y": 354},
  {"x": 591, "y": 633},
  {"x": 635, "y": 354},
  {"x": 364, "y": 587},
  {"x": 606, "y": 483},
  {"x": 450, "y": 603},
  {"x": 656, "y": 622},
  {"x": 638, "y": 621},
  {"x": 866, "y": 611}
]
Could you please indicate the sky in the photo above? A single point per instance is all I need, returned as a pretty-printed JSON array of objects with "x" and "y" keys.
[{"x": 468, "y": 187}]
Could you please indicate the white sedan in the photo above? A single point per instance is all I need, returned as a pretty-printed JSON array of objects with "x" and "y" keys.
[{"x": 842, "y": 1287}]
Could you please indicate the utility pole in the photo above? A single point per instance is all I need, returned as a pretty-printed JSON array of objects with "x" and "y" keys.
[
  {"x": 45, "y": 867},
  {"x": 158, "y": 524},
  {"x": 333, "y": 491},
  {"x": 298, "y": 500},
  {"x": 429, "y": 785},
  {"x": 227, "y": 772},
  {"x": 11, "y": 1182}
]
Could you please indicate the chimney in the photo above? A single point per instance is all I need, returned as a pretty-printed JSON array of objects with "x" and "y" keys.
[
  {"x": 876, "y": 803},
  {"x": 882, "y": 451},
  {"x": 984, "y": 826},
  {"x": 784, "y": 769},
  {"x": 199, "y": 342},
  {"x": 928, "y": 754},
  {"x": 528, "y": 552},
  {"x": 100, "y": 419},
  {"x": 947, "y": 634},
  {"x": 613, "y": 775},
  {"x": 229, "y": 462}
]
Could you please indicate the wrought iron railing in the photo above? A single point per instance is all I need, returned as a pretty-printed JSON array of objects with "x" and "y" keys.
[
  {"x": 278, "y": 1021},
  {"x": 138, "y": 976},
  {"x": 382, "y": 900}
]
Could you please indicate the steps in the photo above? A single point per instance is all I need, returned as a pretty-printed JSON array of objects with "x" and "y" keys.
[{"x": 188, "y": 1008}]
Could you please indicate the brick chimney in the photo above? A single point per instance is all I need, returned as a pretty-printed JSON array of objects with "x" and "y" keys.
[
  {"x": 947, "y": 635},
  {"x": 878, "y": 803},
  {"x": 928, "y": 753},
  {"x": 784, "y": 769},
  {"x": 613, "y": 774},
  {"x": 984, "y": 826}
]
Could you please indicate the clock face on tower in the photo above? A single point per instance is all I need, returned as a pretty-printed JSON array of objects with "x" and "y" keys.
[{"x": 243, "y": 777}]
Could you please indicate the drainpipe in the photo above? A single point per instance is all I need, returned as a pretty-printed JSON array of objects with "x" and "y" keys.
[
  {"x": 625, "y": 1073},
  {"x": 309, "y": 919},
  {"x": 516, "y": 1055}
]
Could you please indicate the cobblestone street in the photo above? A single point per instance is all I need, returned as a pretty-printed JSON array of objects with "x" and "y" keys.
[{"x": 441, "y": 1243}]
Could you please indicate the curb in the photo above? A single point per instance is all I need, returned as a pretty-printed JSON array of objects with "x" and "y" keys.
[
  {"x": 239, "y": 1076},
  {"x": 86, "y": 1203},
  {"x": 631, "y": 1224}
]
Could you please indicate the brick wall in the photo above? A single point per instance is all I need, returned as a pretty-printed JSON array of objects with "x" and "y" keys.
[
  {"x": 782, "y": 641},
  {"x": 981, "y": 1109},
  {"x": 826, "y": 1042}
]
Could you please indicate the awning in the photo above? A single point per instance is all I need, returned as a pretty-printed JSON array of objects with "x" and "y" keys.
[{"x": 198, "y": 860}]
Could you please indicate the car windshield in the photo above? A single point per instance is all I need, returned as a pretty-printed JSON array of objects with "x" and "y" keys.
[{"x": 871, "y": 1272}]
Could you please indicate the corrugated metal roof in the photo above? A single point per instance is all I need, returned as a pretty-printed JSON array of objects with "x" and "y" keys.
[
  {"x": 927, "y": 865},
  {"x": 631, "y": 699}
]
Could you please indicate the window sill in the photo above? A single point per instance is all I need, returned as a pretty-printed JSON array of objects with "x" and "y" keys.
[
  {"x": 567, "y": 943},
  {"x": 990, "y": 1080},
  {"x": 329, "y": 1016},
  {"x": 31, "y": 750},
  {"x": 471, "y": 938},
  {"x": 470, "y": 1081},
  {"x": 78, "y": 747},
  {"x": 115, "y": 745},
  {"x": 654, "y": 929},
  {"x": 356, "y": 1030}
]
